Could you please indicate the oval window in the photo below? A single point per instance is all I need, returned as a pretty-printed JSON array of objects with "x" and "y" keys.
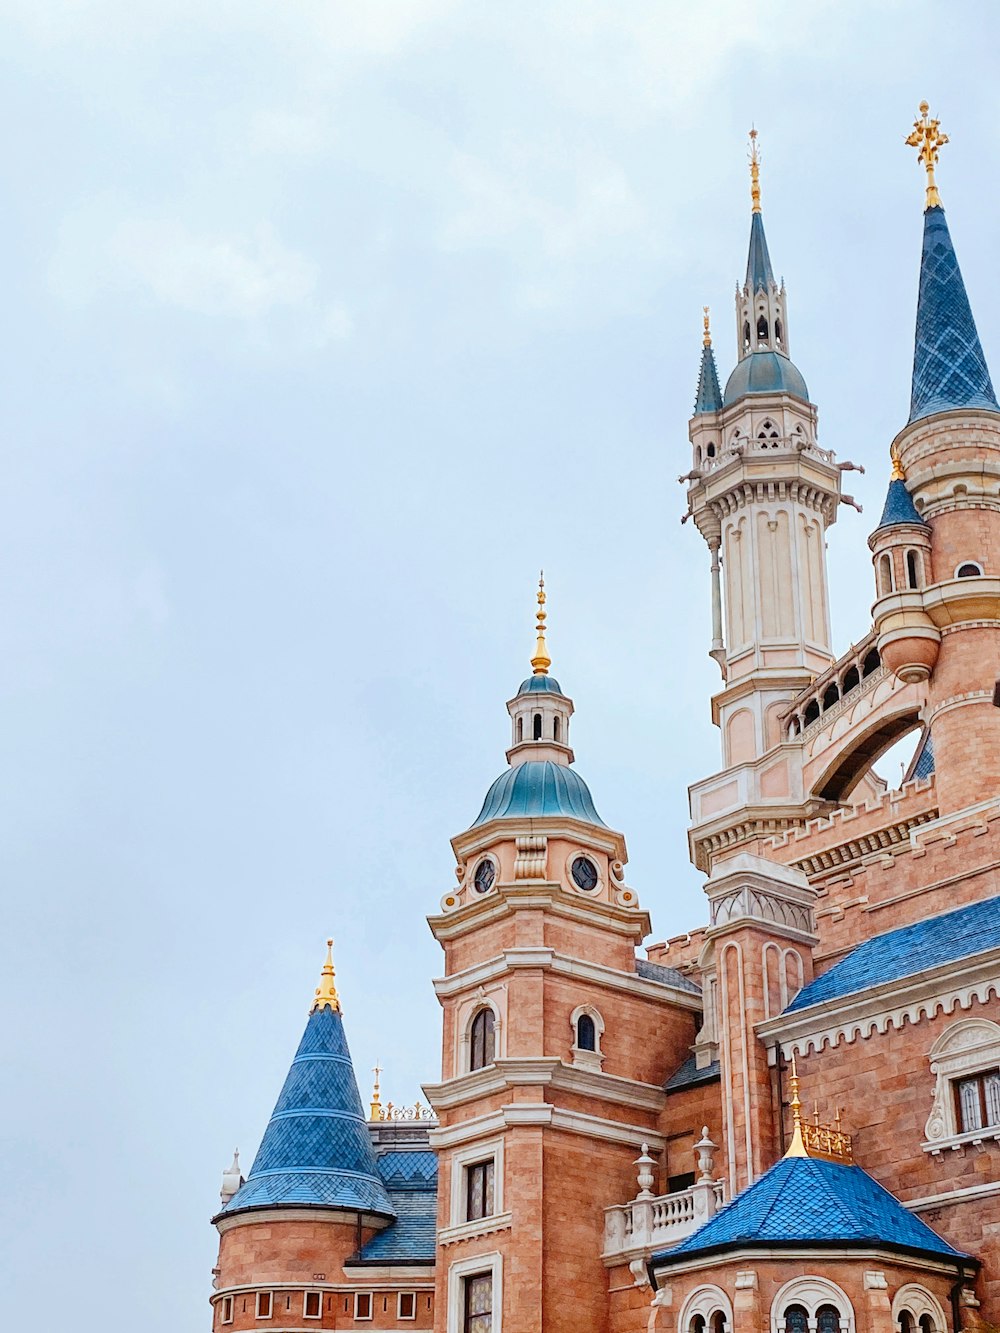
[
  {"x": 486, "y": 873},
  {"x": 584, "y": 874}
]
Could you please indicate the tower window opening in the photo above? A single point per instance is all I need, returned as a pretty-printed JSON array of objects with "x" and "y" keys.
[
  {"x": 885, "y": 574},
  {"x": 777, "y": 331},
  {"x": 227, "y": 1309},
  {"x": 555, "y": 728},
  {"x": 312, "y": 1307},
  {"x": 851, "y": 679},
  {"x": 746, "y": 333},
  {"x": 536, "y": 727},
  {"x": 812, "y": 712},
  {"x": 477, "y": 1303},
  {"x": 796, "y": 1319},
  {"x": 912, "y": 572},
  {"x": 697, "y": 455},
  {"x": 831, "y": 695},
  {"x": 827, "y": 1319},
  {"x": 586, "y": 1033},
  {"x": 697, "y": 1324},
  {"x": 483, "y": 1036},
  {"x": 762, "y": 330},
  {"x": 871, "y": 663},
  {"x": 407, "y": 1306},
  {"x": 717, "y": 1323},
  {"x": 486, "y": 873},
  {"x": 479, "y": 1189},
  {"x": 926, "y": 1324},
  {"x": 263, "y": 1305},
  {"x": 710, "y": 451},
  {"x": 584, "y": 874},
  {"x": 905, "y": 1321},
  {"x": 520, "y": 729},
  {"x": 363, "y": 1305},
  {"x": 968, "y": 570}
]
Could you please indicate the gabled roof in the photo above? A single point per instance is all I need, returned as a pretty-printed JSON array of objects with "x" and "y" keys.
[
  {"x": 316, "y": 1149},
  {"x": 809, "y": 1201},
  {"x": 899, "y": 506},
  {"x": 708, "y": 397},
  {"x": 949, "y": 367},
  {"x": 411, "y": 1180},
  {"x": 759, "y": 271},
  {"x": 907, "y": 952}
]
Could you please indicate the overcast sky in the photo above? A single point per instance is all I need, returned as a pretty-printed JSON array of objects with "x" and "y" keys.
[{"x": 323, "y": 326}]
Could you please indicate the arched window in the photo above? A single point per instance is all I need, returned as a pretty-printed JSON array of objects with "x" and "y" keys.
[
  {"x": 536, "y": 727},
  {"x": 831, "y": 695},
  {"x": 777, "y": 331},
  {"x": 926, "y": 1324},
  {"x": 827, "y": 1319},
  {"x": 697, "y": 455},
  {"x": 483, "y": 1036},
  {"x": 885, "y": 573},
  {"x": 905, "y": 1321},
  {"x": 520, "y": 729},
  {"x": 746, "y": 334},
  {"x": 586, "y": 1033},
  {"x": 812, "y": 712},
  {"x": 762, "y": 330},
  {"x": 968, "y": 570},
  {"x": 851, "y": 679},
  {"x": 796, "y": 1319},
  {"x": 717, "y": 1323},
  {"x": 697, "y": 1324},
  {"x": 555, "y": 729},
  {"x": 710, "y": 451},
  {"x": 912, "y": 570},
  {"x": 871, "y": 663}
]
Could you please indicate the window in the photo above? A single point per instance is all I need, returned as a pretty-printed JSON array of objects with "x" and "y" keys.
[
  {"x": 697, "y": 1324},
  {"x": 486, "y": 873},
  {"x": 905, "y": 1321},
  {"x": 777, "y": 331},
  {"x": 796, "y": 1319},
  {"x": 536, "y": 727},
  {"x": 884, "y": 574},
  {"x": 555, "y": 728},
  {"x": 520, "y": 730},
  {"x": 407, "y": 1306},
  {"x": 479, "y": 1177},
  {"x": 912, "y": 570},
  {"x": 710, "y": 451},
  {"x": 717, "y": 1323},
  {"x": 977, "y": 1101},
  {"x": 762, "y": 329},
  {"x": 312, "y": 1307},
  {"x": 586, "y": 1033},
  {"x": 684, "y": 1181},
  {"x": 827, "y": 1319},
  {"x": 483, "y": 1039},
  {"x": 584, "y": 874},
  {"x": 968, "y": 570},
  {"x": 477, "y": 1316},
  {"x": 227, "y": 1309},
  {"x": 363, "y": 1305},
  {"x": 746, "y": 334},
  {"x": 263, "y": 1305}
]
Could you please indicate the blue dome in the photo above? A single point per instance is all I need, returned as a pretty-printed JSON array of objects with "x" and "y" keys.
[
  {"x": 537, "y": 789},
  {"x": 540, "y": 685},
  {"x": 765, "y": 372}
]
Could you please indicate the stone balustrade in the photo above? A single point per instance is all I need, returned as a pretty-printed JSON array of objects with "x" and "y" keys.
[{"x": 660, "y": 1221}]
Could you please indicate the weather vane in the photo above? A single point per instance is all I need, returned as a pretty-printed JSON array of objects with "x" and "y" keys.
[{"x": 928, "y": 138}]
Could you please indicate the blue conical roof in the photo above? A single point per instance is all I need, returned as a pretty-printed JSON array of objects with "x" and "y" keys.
[
  {"x": 899, "y": 506},
  {"x": 316, "y": 1148},
  {"x": 759, "y": 271},
  {"x": 809, "y": 1201},
  {"x": 949, "y": 368},
  {"x": 709, "y": 395}
]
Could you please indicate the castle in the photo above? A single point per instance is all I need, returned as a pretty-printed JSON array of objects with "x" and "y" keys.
[{"x": 786, "y": 1120}]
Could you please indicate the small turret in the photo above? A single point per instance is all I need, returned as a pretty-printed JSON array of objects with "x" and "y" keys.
[
  {"x": 540, "y": 712},
  {"x": 901, "y": 552},
  {"x": 708, "y": 398}
]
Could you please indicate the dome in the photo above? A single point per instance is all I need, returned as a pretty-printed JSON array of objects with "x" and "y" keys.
[
  {"x": 537, "y": 789},
  {"x": 765, "y": 372},
  {"x": 540, "y": 685}
]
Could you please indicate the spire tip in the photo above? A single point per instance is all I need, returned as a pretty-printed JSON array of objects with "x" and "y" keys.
[
  {"x": 326, "y": 992},
  {"x": 927, "y": 138},
  {"x": 541, "y": 661},
  {"x": 754, "y": 171},
  {"x": 707, "y": 335}
]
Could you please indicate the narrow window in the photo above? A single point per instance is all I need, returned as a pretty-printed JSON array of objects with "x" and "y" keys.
[
  {"x": 777, "y": 331},
  {"x": 697, "y": 455},
  {"x": 912, "y": 578},
  {"x": 762, "y": 330},
  {"x": 479, "y": 1179},
  {"x": 477, "y": 1315},
  {"x": 831, "y": 695},
  {"x": 852, "y": 679},
  {"x": 536, "y": 727},
  {"x": 926, "y": 1324},
  {"x": 885, "y": 574},
  {"x": 520, "y": 730},
  {"x": 796, "y": 1319},
  {"x": 697, "y": 1324},
  {"x": 746, "y": 334},
  {"x": 555, "y": 728},
  {"x": 483, "y": 1039},
  {"x": 312, "y": 1308},
  {"x": 827, "y": 1319},
  {"x": 977, "y": 1101},
  {"x": 363, "y": 1305},
  {"x": 586, "y": 1033},
  {"x": 871, "y": 663},
  {"x": 905, "y": 1321},
  {"x": 263, "y": 1305},
  {"x": 717, "y": 1323},
  {"x": 227, "y": 1309},
  {"x": 710, "y": 451},
  {"x": 407, "y": 1308}
]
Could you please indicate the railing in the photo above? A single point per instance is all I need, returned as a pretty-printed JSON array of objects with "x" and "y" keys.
[
  {"x": 661, "y": 1221},
  {"x": 789, "y": 444}
]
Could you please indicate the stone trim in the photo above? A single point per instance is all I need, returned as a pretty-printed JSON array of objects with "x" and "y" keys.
[
  {"x": 483, "y": 1226},
  {"x": 807, "y": 1254},
  {"x": 552, "y": 1117},
  {"x": 954, "y": 1197},
  {"x": 545, "y": 1071},
  {"x": 462, "y": 1268}
]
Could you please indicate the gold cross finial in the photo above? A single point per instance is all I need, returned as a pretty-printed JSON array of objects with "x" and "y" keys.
[
  {"x": 377, "y": 1111},
  {"x": 541, "y": 661},
  {"x": 707, "y": 336},
  {"x": 927, "y": 137},
  {"x": 326, "y": 992},
  {"x": 796, "y": 1148},
  {"x": 754, "y": 171}
]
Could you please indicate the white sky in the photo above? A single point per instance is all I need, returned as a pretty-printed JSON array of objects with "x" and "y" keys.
[{"x": 324, "y": 325}]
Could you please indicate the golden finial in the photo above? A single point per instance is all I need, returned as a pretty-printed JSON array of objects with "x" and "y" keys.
[
  {"x": 754, "y": 171},
  {"x": 326, "y": 992},
  {"x": 796, "y": 1148},
  {"x": 928, "y": 138},
  {"x": 541, "y": 661},
  {"x": 897, "y": 467},
  {"x": 377, "y": 1110},
  {"x": 707, "y": 336}
]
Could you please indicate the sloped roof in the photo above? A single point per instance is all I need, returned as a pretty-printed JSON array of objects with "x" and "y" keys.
[
  {"x": 708, "y": 397},
  {"x": 808, "y": 1201},
  {"x": 690, "y": 1076},
  {"x": 667, "y": 976},
  {"x": 906, "y": 952},
  {"x": 411, "y": 1181},
  {"x": 759, "y": 271},
  {"x": 899, "y": 506},
  {"x": 538, "y": 788}
]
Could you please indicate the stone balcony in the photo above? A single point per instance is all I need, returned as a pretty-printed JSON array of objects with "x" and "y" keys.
[{"x": 632, "y": 1231}]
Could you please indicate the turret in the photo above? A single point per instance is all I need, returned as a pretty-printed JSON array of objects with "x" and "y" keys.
[{"x": 901, "y": 552}]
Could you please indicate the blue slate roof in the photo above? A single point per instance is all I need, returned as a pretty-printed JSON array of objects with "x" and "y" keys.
[
  {"x": 949, "y": 367},
  {"x": 923, "y": 765},
  {"x": 411, "y": 1181},
  {"x": 316, "y": 1148},
  {"x": 708, "y": 397},
  {"x": 907, "y": 952},
  {"x": 806, "y": 1201},
  {"x": 669, "y": 976},
  {"x": 899, "y": 507},
  {"x": 765, "y": 372},
  {"x": 540, "y": 685},
  {"x": 536, "y": 789},
  {"x": 690, "y": 1076},
  {"x": 759, "y": 271}
]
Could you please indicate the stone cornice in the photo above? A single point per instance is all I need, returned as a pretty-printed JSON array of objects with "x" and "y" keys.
[
  {"x": 542, "y": 1114},
  {"x": 750, "y": 1255},
  {"x": 877, "y": 1008},
  {"x": 548, "y": 895},
  {"x": 320, "y": 1212},
  {"x": 483, "y": 836},
  {"x": 539, "y": 1073},
  {"x": 544, "y": 959}
]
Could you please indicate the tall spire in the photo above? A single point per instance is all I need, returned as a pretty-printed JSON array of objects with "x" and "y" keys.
[
  {"x": 541, "y": 661},
  {"x": 759, "y": 271},
  {"x": 949, "y": 366},
  {"x": 709, "y": 396},
  {"x": 326, "y": 991}
]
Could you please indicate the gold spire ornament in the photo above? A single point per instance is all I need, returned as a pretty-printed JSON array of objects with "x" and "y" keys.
[
  {"x": 326, "y": 992},
  {"x": 897, "y": 467},
  {"x": 541, "y": 661},
  {"x": 927, "y": 137},
  {"x": 754, "y": 171},
  {"x": 707, "y": 335},
  {"x": 377, "y": 1109},
  {"x": 797, "y": 1147}
]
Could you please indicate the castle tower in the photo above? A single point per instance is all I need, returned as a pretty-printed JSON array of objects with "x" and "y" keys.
[
  {"x": 949, "y": 454},
  {"x": 762, "y": 494},
  {"x": 313, "y": 1197},
  {"x": 548, "y": 1087}
]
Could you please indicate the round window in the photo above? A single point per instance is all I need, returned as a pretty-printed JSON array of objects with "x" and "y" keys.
[
  {"x": 584, "y": 874},
  {"x": 486, "y": 873}
]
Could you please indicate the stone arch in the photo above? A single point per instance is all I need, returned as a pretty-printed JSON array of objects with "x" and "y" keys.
[
  {"x": 587, "y": 1057},
  {"x": 919, "y": 1302},
  {"x": 811, "y": 1291},
  {"x": 848, "y": 765},
  {"x": 706, "y": 1301}
]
